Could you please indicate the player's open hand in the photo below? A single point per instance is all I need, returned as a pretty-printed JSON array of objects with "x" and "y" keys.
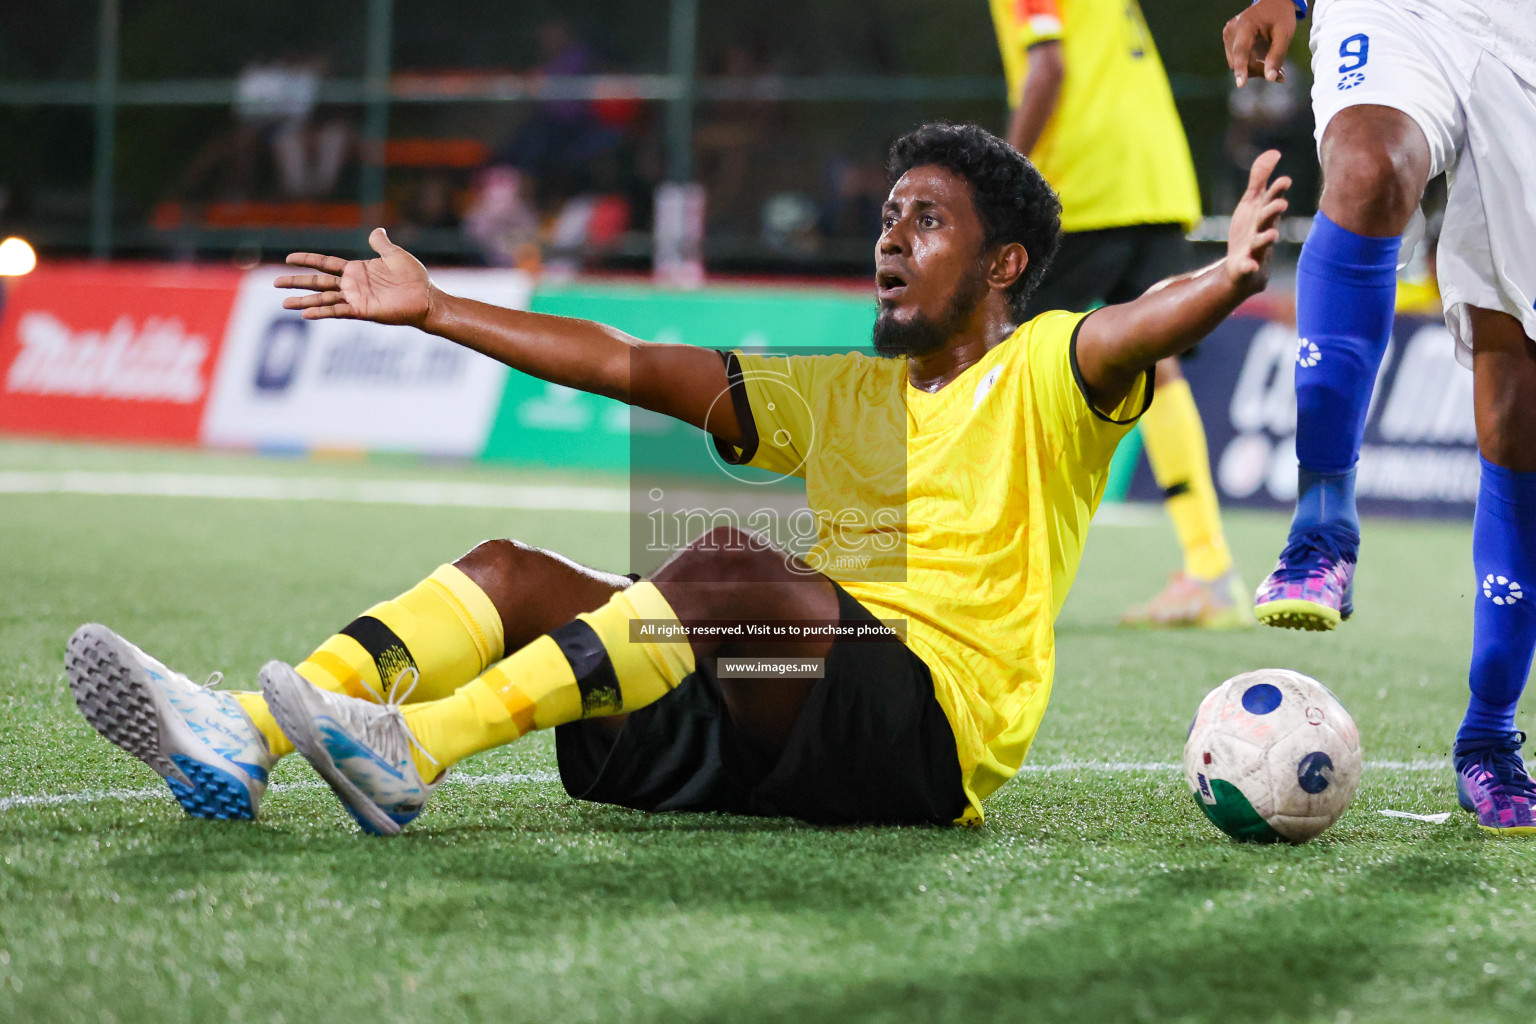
[
  {"x": 1256, "y": 40},
  {"x": 1255, "y": 224},
  {"x": 393, "y": 289}
]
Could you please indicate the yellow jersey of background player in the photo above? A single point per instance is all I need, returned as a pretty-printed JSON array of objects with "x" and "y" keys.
[
  {"x": 1113, "y": 148},
  {"x": 1093, "y": 110}
]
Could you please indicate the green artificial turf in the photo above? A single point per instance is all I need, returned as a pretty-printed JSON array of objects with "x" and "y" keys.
[{"x": 1095, "y": 892}]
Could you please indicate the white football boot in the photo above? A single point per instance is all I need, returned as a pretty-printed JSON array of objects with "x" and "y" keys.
[
  {"x": 361, "y": 749},
  {"x": 200, "y": 741}
]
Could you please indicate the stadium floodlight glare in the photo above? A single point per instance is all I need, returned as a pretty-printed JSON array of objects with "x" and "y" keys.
[{"x": 16, "y": 257}]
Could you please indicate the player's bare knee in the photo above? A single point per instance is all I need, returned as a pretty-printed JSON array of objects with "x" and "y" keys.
[
  {"x": 1371, "y": 184},
  {"x": 725, "y": 554},
  {"x": 1506, "y": 423},
  {"x": 499, "y": 556}
]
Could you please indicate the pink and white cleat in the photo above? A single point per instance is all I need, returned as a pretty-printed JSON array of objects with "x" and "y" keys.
[
  {"x": 1312, "y": 586},
  {"x": 1492, "y": 783}
]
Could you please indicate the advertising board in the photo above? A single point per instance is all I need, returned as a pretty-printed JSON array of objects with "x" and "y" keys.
[
  {"x": 545, "y": 424},
  {"x": 112, "y": 353},
  {"x": 1420, "y": 451},
  {"x": 287, "y": 382}
]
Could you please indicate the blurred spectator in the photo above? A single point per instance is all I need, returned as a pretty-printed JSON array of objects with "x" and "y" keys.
[
  {"x": 502, "y": 220},
  {"x": 731, "y": 140},
  {"x": 559, "y": 142},
  {"x": 856, "y": 191},
  {"x": 569, "y": 165},
  {"x": 789, "y": 224},
  {"x": 430, "y": 203},
  {"x": 274, "y": 116}
]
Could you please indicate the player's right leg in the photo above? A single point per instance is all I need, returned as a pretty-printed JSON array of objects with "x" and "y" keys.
[
  {"x": 195, "y": 737},
  {"x": 1206, "y": 593},
  {"x": 1387, "y": 94}
]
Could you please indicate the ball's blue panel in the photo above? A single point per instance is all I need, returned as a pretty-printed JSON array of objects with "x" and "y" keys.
[
  {"x": 1261, "y": 698},
  {"x": 1314, "y": 773}
]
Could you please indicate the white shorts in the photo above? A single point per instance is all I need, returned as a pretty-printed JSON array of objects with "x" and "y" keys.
[{"x": 1480, "y": 120}]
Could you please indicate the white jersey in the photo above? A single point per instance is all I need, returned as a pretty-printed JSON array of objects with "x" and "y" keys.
[{"x": 1505, "y": 28}]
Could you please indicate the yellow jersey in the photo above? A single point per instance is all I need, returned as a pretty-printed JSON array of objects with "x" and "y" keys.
[
  {"x": 962, "y": 512},
  {"x": 1114, "y": 150}
]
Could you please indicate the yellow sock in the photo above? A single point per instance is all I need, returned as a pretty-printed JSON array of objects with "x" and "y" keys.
[
  {"x": 1175, "y": 441},
  {"x": 588, "y": 668},
  {"x": 255, "y": 705},
  {"x": 445, "y": 627}
]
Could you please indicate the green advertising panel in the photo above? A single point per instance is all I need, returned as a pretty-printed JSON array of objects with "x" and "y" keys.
[{"x": 541, "y": 424}]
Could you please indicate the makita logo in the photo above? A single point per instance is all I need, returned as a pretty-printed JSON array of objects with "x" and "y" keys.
[{"x": 158, "y": 361}]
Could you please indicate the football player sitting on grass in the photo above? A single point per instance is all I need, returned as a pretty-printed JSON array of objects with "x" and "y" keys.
[{"x": 986, "y": 440}]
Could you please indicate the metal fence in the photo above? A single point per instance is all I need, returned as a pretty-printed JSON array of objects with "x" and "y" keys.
[{"x": 379, "y": 92}]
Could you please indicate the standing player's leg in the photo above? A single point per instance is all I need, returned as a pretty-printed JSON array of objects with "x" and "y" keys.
[
  {"x": 1491, "y": 779},
  {"x": 1207, "y": 592},
  {"x": 1376, "y": 162},
  {"x": 215, "y": 748},
  {"x": 1087, "y": 265},
  {"x": 379, "y": 760}
]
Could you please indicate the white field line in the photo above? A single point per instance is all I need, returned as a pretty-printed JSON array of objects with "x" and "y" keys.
[
  {"x": 526, "y": 497},
  {"x": 91, "y": 796},
  {"x": 521, "y": 497},
  {"x": 1066, "y": 767}
]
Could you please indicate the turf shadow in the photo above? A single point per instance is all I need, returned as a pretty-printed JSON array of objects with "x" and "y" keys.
[{"x": 1168, "y": 954}]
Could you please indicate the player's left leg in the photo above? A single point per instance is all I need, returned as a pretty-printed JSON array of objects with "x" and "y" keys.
[{"x": 1491, "y": 778}]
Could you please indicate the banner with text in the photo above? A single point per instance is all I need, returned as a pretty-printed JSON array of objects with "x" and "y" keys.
[
  {"x": 287, "y": 382},
  {"x": 112, "y": 353},
  {"x": 1420, "y": 452}
]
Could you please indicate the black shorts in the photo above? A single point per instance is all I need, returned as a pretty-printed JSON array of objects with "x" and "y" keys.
[
  {"x": 1111, "y": 265},
  {"x": 872, "y": 745}
]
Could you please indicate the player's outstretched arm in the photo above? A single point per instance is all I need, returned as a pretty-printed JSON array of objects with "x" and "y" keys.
[
  {"x": 1117, "y": 344},
  {"x": 1256, "y": 40},
  {"x": 677, "y": 380}
]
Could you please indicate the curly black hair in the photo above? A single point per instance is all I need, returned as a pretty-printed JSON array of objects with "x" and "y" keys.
[{"x": 1012, "y": 199}]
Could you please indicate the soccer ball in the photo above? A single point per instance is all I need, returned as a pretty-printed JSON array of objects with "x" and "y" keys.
[{"x": 1272, "y": 755}]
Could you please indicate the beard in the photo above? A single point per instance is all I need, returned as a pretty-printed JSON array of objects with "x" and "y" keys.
[{"x": 922, "y": 336}]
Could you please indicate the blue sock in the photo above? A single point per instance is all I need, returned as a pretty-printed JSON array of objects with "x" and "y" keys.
[
  {"x": 1346, "y": 286},
  {"x": 1325, "y": 499},
  {"x": 1504, "y": 602}
]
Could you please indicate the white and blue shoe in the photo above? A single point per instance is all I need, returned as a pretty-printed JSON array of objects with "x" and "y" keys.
[
  {"x": 200, "y": 741},
  {"x": 361, "y": 749}
]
